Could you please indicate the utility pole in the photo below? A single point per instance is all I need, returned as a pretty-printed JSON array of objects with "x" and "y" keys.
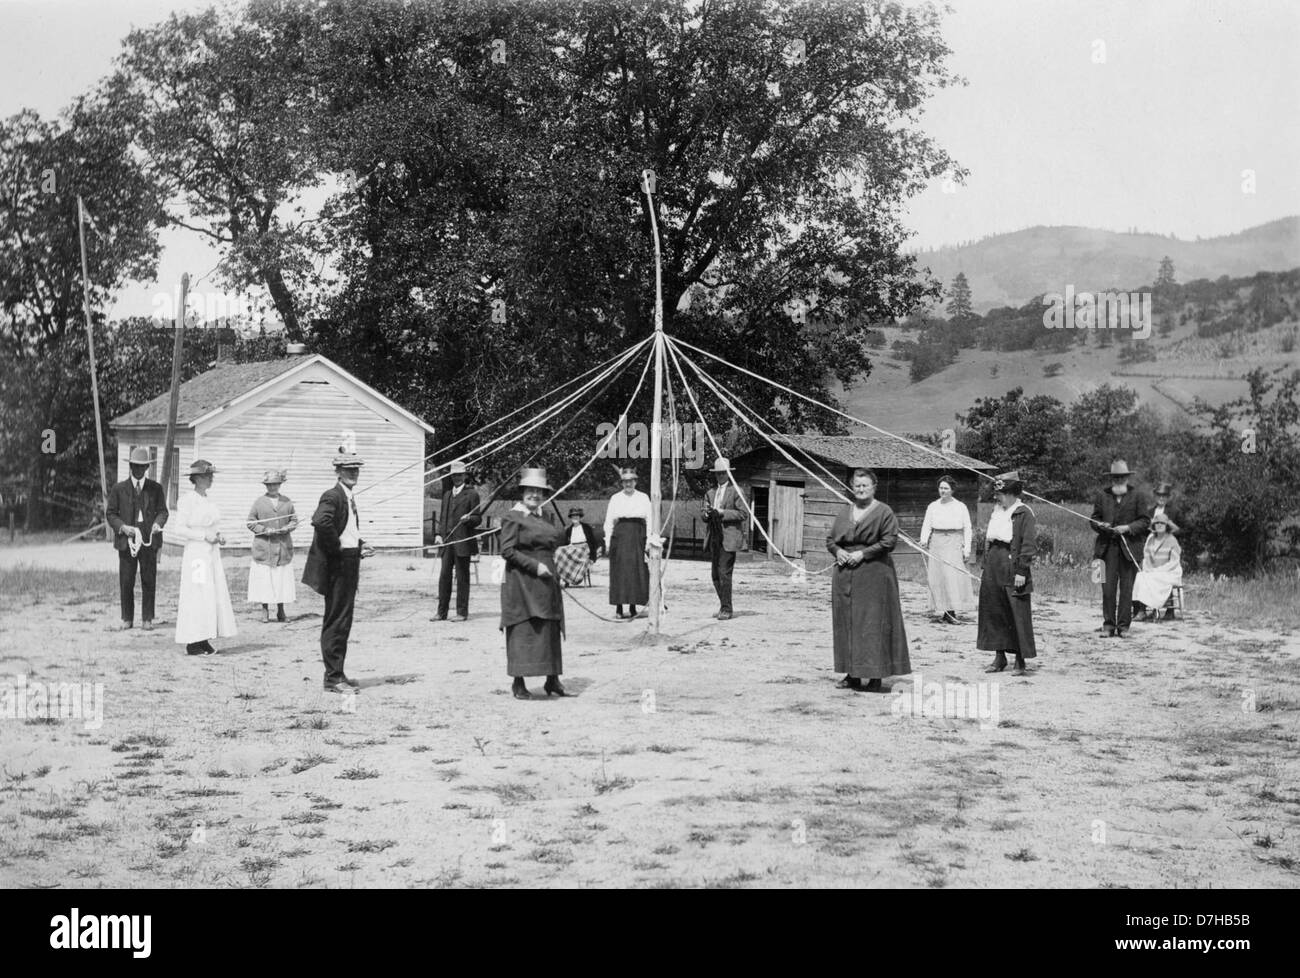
[
  {"x": 94, "y": 376},
  {"x": 177, "y": 347}
]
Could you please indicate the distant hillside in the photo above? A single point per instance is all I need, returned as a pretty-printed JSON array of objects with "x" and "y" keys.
[
  {"x": 1205, "y": 342},
  {"x": 1010, "y": 269}
]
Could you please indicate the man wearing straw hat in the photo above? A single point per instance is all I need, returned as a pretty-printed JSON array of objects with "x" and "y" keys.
[
  {"x": 724, "y": 511},
  {"x": 458, "y": 519},
  {"x": 137, "y": 512},
  {"x": 334, "y": 565},
  {"x": 1120, "y": 516}
]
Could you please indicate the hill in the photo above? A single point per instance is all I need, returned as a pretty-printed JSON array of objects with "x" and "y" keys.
[{"x": 1010, "y": 269}]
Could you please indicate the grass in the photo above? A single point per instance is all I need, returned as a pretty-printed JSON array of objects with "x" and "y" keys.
[{"x": 22, "y": 584}]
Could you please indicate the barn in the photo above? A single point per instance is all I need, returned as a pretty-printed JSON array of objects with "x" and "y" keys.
[
  {"x": 797, "y": 510},
  {"x": 246, "y": 418}
]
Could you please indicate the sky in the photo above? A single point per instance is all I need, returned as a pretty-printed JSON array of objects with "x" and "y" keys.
[{"x": 1103, "y": 113}]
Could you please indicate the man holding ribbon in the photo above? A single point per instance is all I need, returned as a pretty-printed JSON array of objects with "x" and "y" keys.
[{"x": 137, "y": 512}]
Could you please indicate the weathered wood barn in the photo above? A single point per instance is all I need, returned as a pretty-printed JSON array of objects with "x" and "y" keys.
[
  {"x": 246, "y": 418},
  {"x": 797, "y": 510}
]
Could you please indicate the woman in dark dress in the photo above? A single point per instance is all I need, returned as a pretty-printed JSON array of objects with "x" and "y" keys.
[
  {"x": 1005, "y": 621},
  {"x": 532, "y": 606},
  {"x": 866, "y": 615}
]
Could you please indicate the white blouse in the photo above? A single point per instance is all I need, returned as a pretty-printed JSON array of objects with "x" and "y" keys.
[
  {"x": 622, "y": 506},
  {"x": 950, "y": 515},
  {"x": 196, "y": 516},
  {"x": 1000, "y": 523}
]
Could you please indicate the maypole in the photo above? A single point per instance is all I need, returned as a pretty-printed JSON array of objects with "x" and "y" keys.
[
  {"x": 656, "y": 426},
  {"x": 94, "y": 376}
]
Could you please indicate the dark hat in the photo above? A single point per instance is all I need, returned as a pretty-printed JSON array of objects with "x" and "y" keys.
[
  {"x": 1008, "y": 482},
  {"x": 1120, "y": 467},
  {"x": 575, "y": 511},
  {"x": 1164, "y": 489}
]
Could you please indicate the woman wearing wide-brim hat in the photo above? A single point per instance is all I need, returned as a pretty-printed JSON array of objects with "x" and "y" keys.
[
  {"x": 532, "y": 604},
  {"x": 1006, "y": 624},
  {"x": 272, "y": 520},
  {"x": 203, "y": 610}
]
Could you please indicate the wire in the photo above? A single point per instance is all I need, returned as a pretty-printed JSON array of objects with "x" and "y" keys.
[{"x": 948, "y": 458}]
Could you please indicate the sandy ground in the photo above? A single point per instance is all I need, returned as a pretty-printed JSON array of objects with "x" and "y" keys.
[{"x": 720, "y": 755}]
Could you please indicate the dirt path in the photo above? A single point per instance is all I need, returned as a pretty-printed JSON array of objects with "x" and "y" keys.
[{"x": 720, "y": 756}]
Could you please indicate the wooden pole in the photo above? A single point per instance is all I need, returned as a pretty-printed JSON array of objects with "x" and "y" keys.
[
  {"x": 90, "y": 347},
  {"x": 178, "y": 346},
  {"x": 656, "y": 426}
]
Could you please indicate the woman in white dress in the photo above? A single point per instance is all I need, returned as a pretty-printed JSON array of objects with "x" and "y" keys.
[
  {"x": 272, "y": 520},
  {"x": 203, "y": 610},
  {"x": 946, "y": 533},
  {"x": 1162, "y": 567}
]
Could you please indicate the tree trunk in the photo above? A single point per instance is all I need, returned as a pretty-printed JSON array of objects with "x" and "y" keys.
[{"x": 283, "y": 300}]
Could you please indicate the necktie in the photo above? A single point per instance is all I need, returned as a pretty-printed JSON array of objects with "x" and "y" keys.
[{"x": 356, "y": 520}]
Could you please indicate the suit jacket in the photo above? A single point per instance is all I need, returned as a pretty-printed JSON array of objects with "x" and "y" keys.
[
  {"x": 326, "y": 553},
  {"x": 727, "y": 512},
  {"x": 1133, "y": 508},
  {"x": 1024, "y": 545},
  {"x": 449, "y": 525},
  {"x": 124, "y": 504}
]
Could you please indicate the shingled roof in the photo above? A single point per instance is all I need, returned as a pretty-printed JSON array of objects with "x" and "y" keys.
[
  {"x": 208, "y": 391},
  {"x": 876, "y": 452}
]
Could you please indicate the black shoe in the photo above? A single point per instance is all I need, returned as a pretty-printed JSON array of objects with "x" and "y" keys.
[
  {"x": 949, "y": 618},
  {"x": 520, "y": 691},
  {"x": 873, "y": 686},
  {"x": 194, "y": 648},
  {"x": 553, "y": 687},
  {"x": 1169, "y": 614},
  {"x": 461, "y": 618},
  {"x": 1121, "y": 633},
  {"x": 342, "y": 688},
  {"x": 280, "y": 615},
  {"x": 849, "y": 682},
  {"x": 1107, "y": 631},
  {"x": 1020, "y": 669},
  {"x": 351, "y": 682}
]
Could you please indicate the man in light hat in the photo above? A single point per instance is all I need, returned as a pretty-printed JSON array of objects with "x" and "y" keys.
[
  {"x": 137, "y": 512},
  {"x": 334, "y": 565},
  {"x": 459, "y": 518},
  {"x": 1120, "y": 515},
  {"x": 724, "y": 511}
]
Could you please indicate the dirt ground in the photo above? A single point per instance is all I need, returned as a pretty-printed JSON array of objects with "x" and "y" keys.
[{"x": 722, "y": 755}]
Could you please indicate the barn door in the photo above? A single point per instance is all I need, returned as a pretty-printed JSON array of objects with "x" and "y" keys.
[{"x": 786, "y": 506}]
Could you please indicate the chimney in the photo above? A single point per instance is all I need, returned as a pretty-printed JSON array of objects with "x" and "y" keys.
[
  {"x": 226, "y": 346},
  {"x": 296, "y": 349}
]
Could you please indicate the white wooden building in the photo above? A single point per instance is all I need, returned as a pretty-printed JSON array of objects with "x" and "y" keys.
[{"x": 246, "y": 418}]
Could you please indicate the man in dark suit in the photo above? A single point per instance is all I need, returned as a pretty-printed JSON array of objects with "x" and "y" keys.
[
  {"x": 137, "y": 512},
  {"x": 457, "y": 520},
  {"x": 724, "y": 512},
  {"x": 334, "y": 566},
  {"x": 1120, "y": 515}
]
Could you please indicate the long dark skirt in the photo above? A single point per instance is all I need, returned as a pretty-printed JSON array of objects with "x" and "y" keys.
[
  {"x": 867, "y": 620},
  {"x": 533, "y": 648},
  {"x": 629, "y": 577},
  {"x": 1005, "y": 619}
]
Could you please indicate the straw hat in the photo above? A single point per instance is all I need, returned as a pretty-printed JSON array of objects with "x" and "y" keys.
[
  {"x": 533, "y": 479},
  {"x": 201, "y": 466},
  {"x": 140, "y": 456},
  {"x": 1120, "y": 467},
  {"x": 720, "y": 464},
  {"x": 348, "y": 460},
  {"x": 273, "y": 476},
  {"x": 457, "y": 468}
]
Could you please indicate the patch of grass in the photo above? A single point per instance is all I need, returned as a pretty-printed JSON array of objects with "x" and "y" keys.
[
  {"x": 357, "y": 773},
  {"x": 1021, "y": 855},
  {"x": 51, "y": 814},
  {"x": 218, "y": 772},
  {"x": 309, "y": 761},
  {"x": 302, "y": 818},
  {"x": 370, "y": 845}
]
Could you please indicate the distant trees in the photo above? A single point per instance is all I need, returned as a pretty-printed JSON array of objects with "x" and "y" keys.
[{"x": 1165, "y": 277}]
